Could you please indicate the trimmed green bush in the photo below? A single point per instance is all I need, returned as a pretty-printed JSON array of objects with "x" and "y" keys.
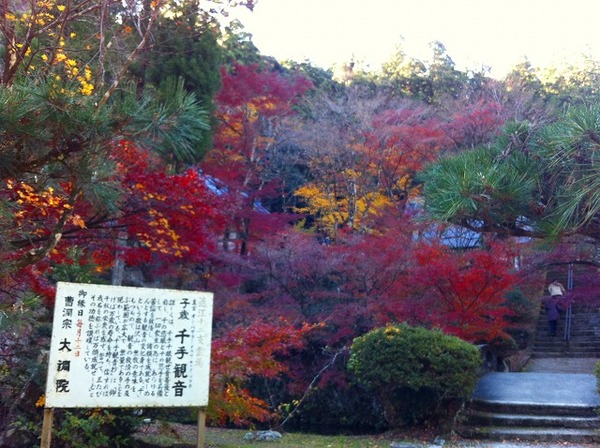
[{"x": 417, "y": 374}]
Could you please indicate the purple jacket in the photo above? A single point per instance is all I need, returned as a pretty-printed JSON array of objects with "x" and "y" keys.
[{"x": 553, "y": 309}]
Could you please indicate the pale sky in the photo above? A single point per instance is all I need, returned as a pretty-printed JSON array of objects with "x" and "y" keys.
[{"x": 496, "y": 33}]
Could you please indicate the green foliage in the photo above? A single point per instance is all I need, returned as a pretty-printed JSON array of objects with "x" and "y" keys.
[
  {"x": 489, "y": 189},
  {"x": 186, "y": 48},
  {"x": 416, "y": 373},
  {"x": 43, "y": 127},
  {"x": 542, "y": 182},
  {"x": 523, "y": 308},
  {"x": 97, "y": 428},
  {"x": 172, "y": 123},
  {"x": 481, "y": 185},
  {"x": 597, "y": 371},
  {"x": 569, "y": 148},
  {"x": 524, "y": 314},
  {"x": 406, "y": 76},
  {"x": 49, "y": 133},
  {"x": 321, "y": 78},
  {"x": 23, "y": 336},
  {"x": 447, "y": 82},
  {"x": 335, "y": 407},
  {"x": 76, "y": 268},
  {"x": 435, "y": 82},
  {"x": 238, "y": 47}
]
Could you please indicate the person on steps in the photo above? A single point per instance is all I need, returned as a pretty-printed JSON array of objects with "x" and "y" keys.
[
  {"x": 556, "y": 289},
  {"x": 553, "y": 313},
  {"x": 554, "y": 304}
]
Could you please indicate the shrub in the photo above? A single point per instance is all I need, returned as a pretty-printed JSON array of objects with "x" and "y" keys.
[
  {"x": 95, "y": 428},
  {"x": 523, "y": 309},
  {"x": 597, "y": 370},
  {"x": 22, "y": 369},
  {"x": 339, "y": 408},
  {"x": 417, "y": 374}
]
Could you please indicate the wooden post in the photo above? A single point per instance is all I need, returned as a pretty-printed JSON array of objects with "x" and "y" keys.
[
  {"x": 47, "y": 428},
  {"x": 201, "y": 427}
]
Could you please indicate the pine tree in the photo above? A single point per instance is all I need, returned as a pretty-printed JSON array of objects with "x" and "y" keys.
[{"x": 61, "y": 111}]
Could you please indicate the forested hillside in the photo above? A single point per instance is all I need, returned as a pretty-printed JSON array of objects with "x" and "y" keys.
[{"x": 143, "y": 145}]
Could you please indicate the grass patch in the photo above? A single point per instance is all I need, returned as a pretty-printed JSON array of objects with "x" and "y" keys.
[{"x": 169, "y": 435}]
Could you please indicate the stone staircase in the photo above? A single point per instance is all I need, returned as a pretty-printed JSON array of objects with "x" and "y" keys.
[
  {"x": 530, "y": 422},
  {"x": 542, "y": 407},
  {"x": 584, "y": 341}
]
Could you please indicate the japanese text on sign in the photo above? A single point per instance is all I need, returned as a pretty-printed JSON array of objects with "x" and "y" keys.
[{"x": 116, "y": 346}]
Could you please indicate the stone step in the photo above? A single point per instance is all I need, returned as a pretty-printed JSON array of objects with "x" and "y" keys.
[
  {"x": 566, "y": 348},
  {"x": 533, "y": 406},
  {"x": 545, "y": 333},
  {"x": 529, "y": 434},
  {"x": 594, "y": 332},
  {"x": 560, "y": 340},
  {"x": 591, "y": 351},
  {"x": 553, "y": 410},
  {"x": 560, "y": 344},
  {"x": 575, "y": 325},
  {"x": 479, "y": 418},
  {"x": 531, "y": 409},
  {"x": 566, "y": 354},
  {"x": 572, "y": 347},
  {"x": 530, "y": 422},
  {"x": 579, "y": 319},
  {"x": 584, "y": 337},
  {"x": 569, "y": 353}
]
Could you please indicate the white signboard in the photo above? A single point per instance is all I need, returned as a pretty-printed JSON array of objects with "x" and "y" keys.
[{"x": 115, "y": 346}]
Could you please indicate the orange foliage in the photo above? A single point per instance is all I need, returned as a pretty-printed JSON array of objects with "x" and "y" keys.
[{"x": 257, "y": 350}]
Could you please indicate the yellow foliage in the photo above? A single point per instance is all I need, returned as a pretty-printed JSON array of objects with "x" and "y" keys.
[
  {"x": 78, "y": 221},
  {"x": 41, "y": 402},
  {"x": 40, "y": 203},
  {"x": 42, "y": 20},
  {"x": 163, "y": 238},
  {"x": 349, "y": 208}
]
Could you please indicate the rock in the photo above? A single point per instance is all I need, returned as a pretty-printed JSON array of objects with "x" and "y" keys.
[
  {"x": 404, "y": 445},
  {"x": 268, "y": 435},
  {"x": 263, "y": 436}
]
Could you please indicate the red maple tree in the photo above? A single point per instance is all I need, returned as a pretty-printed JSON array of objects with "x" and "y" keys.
[
  {"x": 251, "y": 108},
  {"x": 463, "y": 292}
]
